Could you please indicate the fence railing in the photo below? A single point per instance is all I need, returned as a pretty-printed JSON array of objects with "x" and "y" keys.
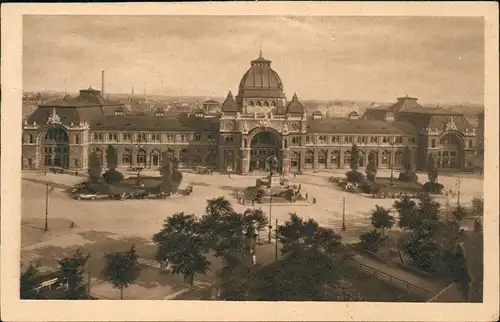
[{"x": 404, "y": 285}]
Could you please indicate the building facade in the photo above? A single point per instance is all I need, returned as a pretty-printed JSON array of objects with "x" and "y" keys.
[{"x": 243, "y": 132}]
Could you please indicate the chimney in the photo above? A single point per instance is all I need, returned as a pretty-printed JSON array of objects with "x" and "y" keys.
[{"x": 102, "y": 83}]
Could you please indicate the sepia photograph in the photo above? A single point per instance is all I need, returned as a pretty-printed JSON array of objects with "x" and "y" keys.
[{"x": 252, "y": 158}]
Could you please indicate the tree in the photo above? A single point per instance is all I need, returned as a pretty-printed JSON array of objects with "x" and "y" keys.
[
  {"x": 111, "y": 157},
  {"x": 354, "y": 162},
  {"x": 171, "y": 175},
  {"x": 371, "y": 240},
  {"x": 478, "y": 206},
  {"x": 407, "y": 209},
  {"x": 122, "y": 268},
  {"x": 28, "y": 283},
  {"x": 371, "y": 171},
  {"x": 382, "y": 219},
  {"x": 297, "y": 235},
  {"x": 428, "y": 208},
  {"x": 181, "y": 244},
  {"x": 459, "y": 212},
  {"x": 95, "y": 168},
  {"x": 432, "y": 172},
  {"x": 408, "y": 162},
  {"x": 72, "y": 270}
]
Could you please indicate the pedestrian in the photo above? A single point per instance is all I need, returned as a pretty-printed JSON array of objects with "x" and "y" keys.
[
  {"x": 229, "y": 174},
  {"x": 307, "y": 196},
  {"x": 314, "y": 200},
  {"x": 254, "y": 258},
  {"x": 300, "y": 186}
]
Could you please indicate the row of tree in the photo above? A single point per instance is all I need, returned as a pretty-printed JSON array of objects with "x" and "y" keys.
[
  {"x": 121, "y": 269},
  {"x": 431, "y": 243}
]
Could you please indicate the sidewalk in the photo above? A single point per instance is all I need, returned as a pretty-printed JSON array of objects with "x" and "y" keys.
[{"x": 427, "y": 284}]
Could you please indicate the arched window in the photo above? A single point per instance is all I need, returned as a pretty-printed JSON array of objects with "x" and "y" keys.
[
  {"x": 347, "y": 157},
  {"x": 266, "y": 104},
  {"x": 258, "y": 104},
  {"x": 309, "y": 157},
  {"x": 126, "y": 157},
  {"x": 273, "y": 104},
  {"x": 141, "y": 156},
  {"x": 398, "y": 157},
  {"x": 334, "y": 157},
  {"x": 385, "y": 157},
  {"x": 295, "y": 160},
  {"x": 322, "y": 157},
  {"x": 286, "y": 143},
  {"x": 183, "y": 156},
  {"x": 251, "y": 103}
]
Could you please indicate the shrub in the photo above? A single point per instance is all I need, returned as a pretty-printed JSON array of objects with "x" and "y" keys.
[
  {"x": 433, "y": 187},
  {"x": 355, "y": 177},
  {"x": 408, "y": 176},
  {"x": 368, "y": 187},
  {"x": 371, "y": 240},
  {"x": 112, "y": 176}
]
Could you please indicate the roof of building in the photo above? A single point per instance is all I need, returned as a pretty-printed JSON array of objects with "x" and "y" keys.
[
  {"x": 67, "y": 115},
  {"x": 229, "y": 104},
  {"x": 260, "y": 76},
  {"x": 93, "y": 98},
  {"x": 182, "y": 122},
  {"x": 440, "y": 122},
  {"x": 295, "y": 106},
  {"x": 359, "y": 126},
  {"x": 210, "y": 101}
]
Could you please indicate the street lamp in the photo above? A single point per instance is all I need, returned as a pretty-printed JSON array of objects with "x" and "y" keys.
[
  {"x": 272, "y": 161},
  {"x": 46, "y": 228},
  {"x": 391, "y": 158}
]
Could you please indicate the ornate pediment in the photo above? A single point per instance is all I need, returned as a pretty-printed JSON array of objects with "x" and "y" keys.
[
  {"x": 265, "y": 123},
  {"x": 54, "y": 118},
  {"x": 451, "y": 126}
]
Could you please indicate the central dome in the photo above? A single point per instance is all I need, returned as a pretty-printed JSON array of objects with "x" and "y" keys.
[{"x": 260, "y": 81}]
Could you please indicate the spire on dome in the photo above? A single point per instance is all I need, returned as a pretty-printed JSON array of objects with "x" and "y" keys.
[
  {"x": 295, "y": 98},
  {"x": 230, "y": 94}
]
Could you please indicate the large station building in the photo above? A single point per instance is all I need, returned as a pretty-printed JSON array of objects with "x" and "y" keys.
[{"x": 256, "y": 123}]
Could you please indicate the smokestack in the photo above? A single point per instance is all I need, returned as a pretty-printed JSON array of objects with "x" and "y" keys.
[{"x": 102, "y": 83}]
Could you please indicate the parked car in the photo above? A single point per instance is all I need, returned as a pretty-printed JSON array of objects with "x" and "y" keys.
[
  {"x": 86, "y": 196},
  {"x": 139, "y": 195}
]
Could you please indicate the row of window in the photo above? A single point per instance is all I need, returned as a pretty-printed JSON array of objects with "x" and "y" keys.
[
  {"x": 335, "y": 157},
  {"x": 49, "y": 149},
  {"x": 325, "y": 139},
  {"x": 141, "y": 156},
  {"x": 451, "y": 140},
  {"x": 150, "y": 137}
]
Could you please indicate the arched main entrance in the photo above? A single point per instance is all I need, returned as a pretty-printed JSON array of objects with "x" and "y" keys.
[
  {"x": 55, "y": 148},
  {"x": 263, "y": 145},
  {"x": 450, "y": 151}
]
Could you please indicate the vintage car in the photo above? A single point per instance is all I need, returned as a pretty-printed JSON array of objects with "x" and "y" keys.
[{"x": 86, "y": 196}]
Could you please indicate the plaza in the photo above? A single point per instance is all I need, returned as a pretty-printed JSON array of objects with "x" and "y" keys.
[{"x": 109, "y": 225}]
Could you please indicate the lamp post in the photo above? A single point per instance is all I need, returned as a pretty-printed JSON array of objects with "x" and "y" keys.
[
  {"x": 46, "y": 228},
  {"x": 343, "y": 214},
  {"x": 391, "y": 158},
  {"x": 272, "y": 161}
]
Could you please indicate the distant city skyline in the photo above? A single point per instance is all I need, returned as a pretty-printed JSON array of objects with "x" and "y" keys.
[{"x": 437, "y": 59}]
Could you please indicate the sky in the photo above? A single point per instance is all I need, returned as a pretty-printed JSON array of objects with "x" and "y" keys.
[{"x": 437, "y": 59}]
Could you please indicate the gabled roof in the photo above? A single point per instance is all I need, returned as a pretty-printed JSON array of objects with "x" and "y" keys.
[
  {"x": 295, "y": 106},
  {"x": 229, "y": 104}
]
